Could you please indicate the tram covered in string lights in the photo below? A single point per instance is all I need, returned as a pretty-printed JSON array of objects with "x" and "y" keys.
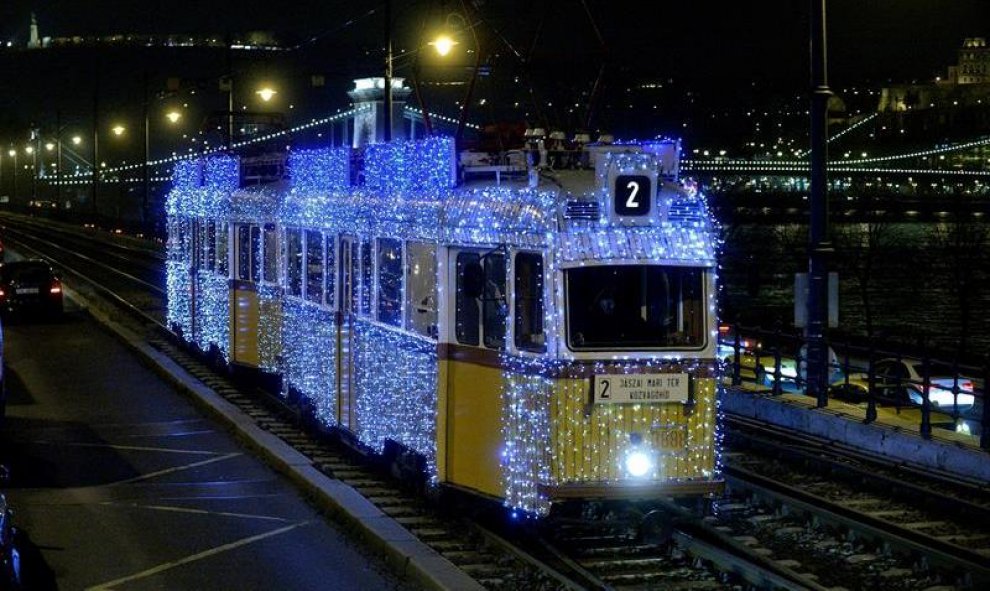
[{"x": 531, "y": 335}]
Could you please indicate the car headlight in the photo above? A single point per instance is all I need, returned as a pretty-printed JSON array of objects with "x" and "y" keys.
[{"x": 638, "y": 463}]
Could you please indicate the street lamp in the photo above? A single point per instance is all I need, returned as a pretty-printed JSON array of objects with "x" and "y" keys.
[
  {"x": 443, "y": 44},
  {"x": 173, "y": 116},
  {"x": 266, "y": 93},
  {"x": 118, "y": 130},
  {"x": 13, "y": 154},
  {"x": 76, "y": 140}
]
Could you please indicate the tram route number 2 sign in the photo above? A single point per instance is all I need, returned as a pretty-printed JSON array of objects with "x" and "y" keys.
[
  {"x": 633, "y": 194},
  {"x": 640, "y": 388}
]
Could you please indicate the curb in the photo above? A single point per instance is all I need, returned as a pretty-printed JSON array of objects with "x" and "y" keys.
[
  {"x": 405, "y": 554},
  {"x": 883, "y": 439}
]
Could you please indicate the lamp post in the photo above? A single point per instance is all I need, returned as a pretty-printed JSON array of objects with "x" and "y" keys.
[
  {"x": 13, "y": 154},
  {"x": 388, "y": 70},
  {"x": 819, "y": 247},
  {"x": 30, "y": 151}
]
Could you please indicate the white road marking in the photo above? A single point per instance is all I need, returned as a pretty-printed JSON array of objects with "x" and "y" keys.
[
  {"x": 194, "y": 557},
  {"x": 168, "y": 450},
  {"x": 195, "y": 511},
  {"x": 151, "y": 475}
]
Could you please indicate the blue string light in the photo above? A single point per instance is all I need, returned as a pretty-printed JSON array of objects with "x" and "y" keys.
[{"x": 406, "y": 191}]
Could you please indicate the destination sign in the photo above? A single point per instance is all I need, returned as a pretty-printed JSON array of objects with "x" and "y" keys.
[{"x": 640, "y": 388}]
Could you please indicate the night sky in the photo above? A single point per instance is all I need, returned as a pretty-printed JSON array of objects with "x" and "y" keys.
[
  {"x": 545, "y": 54},
  {"x": 870, "y": 39}
]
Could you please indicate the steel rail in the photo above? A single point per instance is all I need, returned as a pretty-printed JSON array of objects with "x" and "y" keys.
[
  {"x": 100, "y": 288},
  {"x": 839, "y": 455},
  {"x": 151, "y": 286},
  {"x": 944, "y": 553}
]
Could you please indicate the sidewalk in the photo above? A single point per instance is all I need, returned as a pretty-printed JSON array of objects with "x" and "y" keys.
[{"x": 894, "y": 435}]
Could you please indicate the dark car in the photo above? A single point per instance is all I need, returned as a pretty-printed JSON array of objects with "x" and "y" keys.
[{"x": 30, "y": 286}]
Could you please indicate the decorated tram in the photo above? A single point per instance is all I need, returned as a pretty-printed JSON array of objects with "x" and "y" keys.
[{"x": 531, "y": 335}]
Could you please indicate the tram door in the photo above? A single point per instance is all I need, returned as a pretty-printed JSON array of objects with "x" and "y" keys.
[{"x": 348, "y": 303}]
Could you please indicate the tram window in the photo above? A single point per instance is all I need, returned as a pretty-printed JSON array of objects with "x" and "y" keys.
[
  {"x": 635, "y": 307},
  {"x": 255, "y": 254},
  {"x": 421, "y": 288},
  {"x": 367, "y": 278},
  {"x": 390, "y": 281},
  {"x": 293, "y": 261},
  {"x": 467, "y": 316},
  {"x": 271, "y": 254},
  {"x": 243, "y": 253},
  {"x": 494, "y": 307},
  {"x": 211, "y": 245},
  {"x": 529, "y": 302},
  {"x": 331, "y": 265},
  {"x": 314, "y": 267},
  {"x": 221, "y": 248}
]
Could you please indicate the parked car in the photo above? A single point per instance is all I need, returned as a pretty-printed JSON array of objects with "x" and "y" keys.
[
  {"x": 904, "y": 378},
  {"x": 899, "y": 385},
  {"x": 756, "y": 365},
  {"x": 30, "y": 285},
  {"x": 10, "y": 562}
]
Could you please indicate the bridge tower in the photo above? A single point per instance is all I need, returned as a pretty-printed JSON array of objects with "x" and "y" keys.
[{"x": 368, "y": 96}]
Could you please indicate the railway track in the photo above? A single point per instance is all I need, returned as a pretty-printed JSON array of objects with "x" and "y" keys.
[
  {"x": 778, "y": 526},
  {"x": 891, "y": 525}
]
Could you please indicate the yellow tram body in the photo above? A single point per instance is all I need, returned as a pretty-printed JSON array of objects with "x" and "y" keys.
[{"x": 475, "y": 322}]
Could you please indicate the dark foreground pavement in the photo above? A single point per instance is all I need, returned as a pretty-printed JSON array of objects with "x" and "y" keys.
[{"x": 118, "y": 482}]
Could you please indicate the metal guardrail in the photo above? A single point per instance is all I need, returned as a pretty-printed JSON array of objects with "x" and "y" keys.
[{"x": 878, "y": 377}]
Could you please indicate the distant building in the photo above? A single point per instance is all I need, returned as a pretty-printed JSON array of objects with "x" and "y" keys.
[
  {"x": 974, "y": 63},
  {"x": 958, "y": 105},
  {"x": 967, "y": 84}
]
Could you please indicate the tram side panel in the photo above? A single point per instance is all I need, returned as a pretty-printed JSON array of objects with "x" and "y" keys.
[
  {"x": 476, "y": 370},
  {"x": 255, "y": 297},
  {"x": 309, "y": 328},
  {"x": 178, "y": 276},
  {"x": 392, "y": 363},
  {"x": 212, "y": 302}
]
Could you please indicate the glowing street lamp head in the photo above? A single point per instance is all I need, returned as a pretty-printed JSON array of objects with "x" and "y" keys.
[
  {"x": 443, "y": 44},
  {"x": 118, "y": 130},
  {"x": 173, "y": 116},
  {"x": 29, "y": 150},
  {"x": 12, "y": 153},
  {"x": 266, "y": 93},
  {"x": 49, "y": 146},
  {"x": 76, "y": 140}
]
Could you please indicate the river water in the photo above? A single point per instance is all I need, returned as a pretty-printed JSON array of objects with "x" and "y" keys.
[{"x": 922, "y": 282}]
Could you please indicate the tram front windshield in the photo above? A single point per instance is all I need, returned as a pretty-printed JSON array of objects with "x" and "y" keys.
[{"x": 635, "y": 307}]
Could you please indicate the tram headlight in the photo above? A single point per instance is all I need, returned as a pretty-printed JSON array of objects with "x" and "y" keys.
[{"x": 638, "y": 463}]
